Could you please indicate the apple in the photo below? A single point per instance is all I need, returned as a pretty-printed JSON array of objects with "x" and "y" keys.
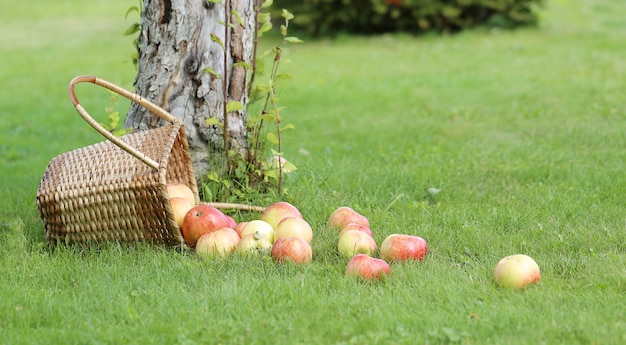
[
  {"x": 221, "y": 242},
  {"x": 275, "y": 212},
  {"x": 293, "y": 249},
  {"x": 367, "y": 267},
  {"x": 180, "y": 206},
  {"x": 232, "y": 223},
  {"x": 240, "y": 226},
  {"x": 180, "y": 190},
  {"x": 345, "y": 215},
  {"x": 202, "y": 219},
  {"x": 355, "y": 242},
  {"x": 399, "y": 247},
  {"x": 294, "y": 227},
  {"x": 260, "y": 226},
  {"x": 254, "y": 244},
  {"x": 516, "y": 272},
  {"x": 355, "y": 226}
]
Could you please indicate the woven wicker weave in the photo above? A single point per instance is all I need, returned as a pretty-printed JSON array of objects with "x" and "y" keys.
[{"x": 117, "y": 189}]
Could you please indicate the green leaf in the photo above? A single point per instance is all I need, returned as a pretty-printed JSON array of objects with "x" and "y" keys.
[
  {"x": 212, "y": 72},
  {"x": 217, "y": 40},
  {"x": 283, "y": 30},
  {"x": 264, "y": 17},
  {"x": 288, "y": 126},
  {"x": 132, "y": 9},
  {"x": 244, "y": 64},
  {"x": 233, "y": 106},
  {"x": 272, "y": 138},
  {"x": 135, "y": 27},
  {"x": 268, "y": 117},
  {"x": 267, "y": 3},
  {"x": 292, "y": 39},
  {"x": 287, "y": 15},
  {"x": 238, "y": 17},
  {"x": 213, "y": 121},
  {"x": 284, "y": 76},
  {"x": 267, "y": 26}
]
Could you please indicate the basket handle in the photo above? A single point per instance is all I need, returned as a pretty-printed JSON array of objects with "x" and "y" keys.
[{"x": 131, "y": 96}]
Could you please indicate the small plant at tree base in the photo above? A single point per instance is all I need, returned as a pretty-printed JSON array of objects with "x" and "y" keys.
[{"x": 264, "y": 167}]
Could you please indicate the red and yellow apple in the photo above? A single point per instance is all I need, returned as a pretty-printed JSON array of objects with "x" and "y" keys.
[
  {"x": 294, "y": 227},
  {"x": 257, "y": 225},
  {"x": 293, "y": 249},
  {"x": 254, "y": 244},
  {"x": 368, "y": 268},
  {"x": 180, "y": 207},
  {"x": 221, "y": 242},
  {"x": 274, "y": 213},
  {"x": 516, "y": 272},
  {"x": 359, "y": 227},
  {"x": 355, "y": 242},
  {"x": 345, "y": 215},
  {"x": 180, "y": 190},
  {"x": 400, "y": 247},
  {"x": 202, "y": 219},
  {"x": 239, "y": 227}
]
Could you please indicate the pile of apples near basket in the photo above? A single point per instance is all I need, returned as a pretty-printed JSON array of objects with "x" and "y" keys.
[{"x": 282, "y": 233}]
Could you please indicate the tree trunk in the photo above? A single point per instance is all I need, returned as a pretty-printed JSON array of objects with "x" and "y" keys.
[{"x": 175, "y": 49}]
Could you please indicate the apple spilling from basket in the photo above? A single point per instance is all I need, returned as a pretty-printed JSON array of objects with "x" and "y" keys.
[{"x": 283, "y": 233}]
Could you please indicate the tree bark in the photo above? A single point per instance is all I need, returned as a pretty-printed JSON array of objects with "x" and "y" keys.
[{"x": 175, "y": 49}]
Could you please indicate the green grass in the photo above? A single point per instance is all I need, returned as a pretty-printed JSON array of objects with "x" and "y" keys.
[{"x": 523, "y": 132}]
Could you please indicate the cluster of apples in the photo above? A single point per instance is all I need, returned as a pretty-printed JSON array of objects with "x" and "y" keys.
[
  {"x": 356, "y": 243},
  {"x": 281, "y": 231}
]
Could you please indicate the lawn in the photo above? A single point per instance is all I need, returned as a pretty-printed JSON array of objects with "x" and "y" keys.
[{"x": 523, "y": 131}]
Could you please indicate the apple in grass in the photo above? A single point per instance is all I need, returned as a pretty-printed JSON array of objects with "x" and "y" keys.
[
  {"x": 294, "y": 227},
  {"x": 239, "y": 227},
  {"x": 221, "y": 242},
  {"x": 257, "y": 225},
  {"x": 254, "y": 244},
  {"x": 355, "y": 226},
  {"x": 400, "y": 247},
  {"x": 202, "y": 219},
  {"x": 367, "y": 268},
  {"x": 293, "y": 249},
  {"x": 276, "y": 212},
  {"x": 180, "y": 207},
  {"x": 355, "y": 242},
  {"x": 516, "y": 272},
  {"x": 180, "y": 190},
  {"x": 345, "y": 215}
]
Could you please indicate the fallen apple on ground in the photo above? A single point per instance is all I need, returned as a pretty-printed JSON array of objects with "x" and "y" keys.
[
  {"x": 180, "y": 207},
  {"x": 277, "y": 211},
  {"x": 202, "y": 219},
  {"x": 254, "y": 244},
  {"x": 400, "y": 247},
  {"x": 516, "y": 272},
  {"x": 359, "y": 227},
  {"x": 345, "y": 215},
  {"x": 294, "y": 227},
  {"x": 293, "y": 249},
  {"x": 355, "y": 242},
  {"x": 180, "y": 190},
  {"x": 221, "y": 242},
  {"x": 257, "y": 225},
  {"x": 367, "y": 267}
]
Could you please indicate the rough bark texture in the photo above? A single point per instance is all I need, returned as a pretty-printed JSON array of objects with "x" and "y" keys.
[{"x": 176, "y": 47}]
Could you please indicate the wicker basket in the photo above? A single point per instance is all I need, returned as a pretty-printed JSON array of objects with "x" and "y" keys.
[{"x": 117, "y": 189}]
